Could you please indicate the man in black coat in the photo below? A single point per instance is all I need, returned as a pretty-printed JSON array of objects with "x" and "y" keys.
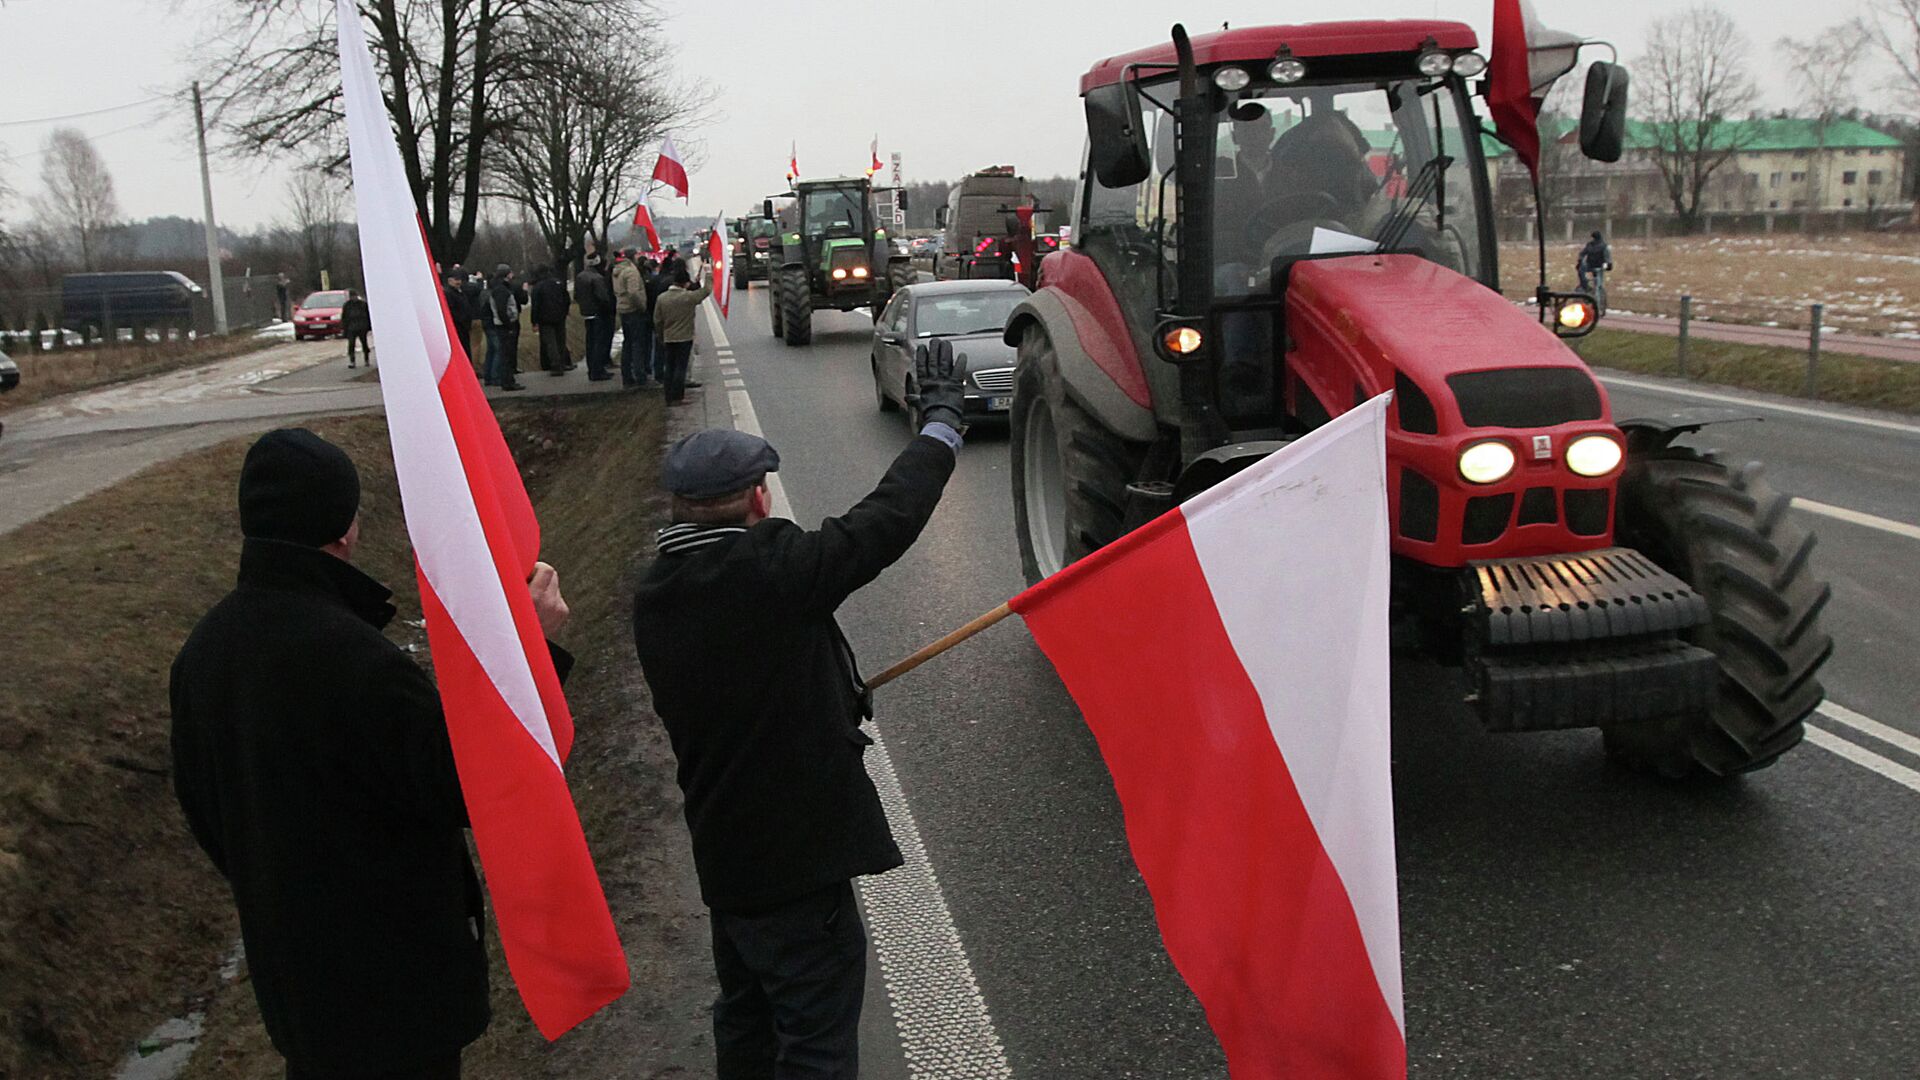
[
  {"x": 356, "y": 322},
  {"x": 763, "y": 702},
  {"x": 452, "y": 290},
  {"x": 312, "y": 762},
  {"x": 549, "y": 313},
  {"x": 501, "y": 316},
  {"x": 593, "y": 291},
  {"x": 475, "y": 292}
]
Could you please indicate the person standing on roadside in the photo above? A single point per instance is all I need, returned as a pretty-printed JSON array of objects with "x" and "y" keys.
[
  {"x": 1595, "y": 259},
  {"x": 594, "y": 294},
  {"x": 549, "y": 312},
  {"x": 505, "y": 298},
  {"x": 476, "y": 294},
  {"x": 312, "y": 763},
  {"x": 782, "y": 813},
  {"x": 636, "y": 323},
  {"x": 281, "y": 309},
  {"x": 356, "y": 322},
  {"x": 673, "y": 314},
  {"x": 457, "y": 313}
]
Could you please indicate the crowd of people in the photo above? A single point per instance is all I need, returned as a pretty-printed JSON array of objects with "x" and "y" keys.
[{"x": 648, "y": 301}]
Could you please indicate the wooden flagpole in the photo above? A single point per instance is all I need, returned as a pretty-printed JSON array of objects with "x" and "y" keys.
[{"x": 940, "y": 646}]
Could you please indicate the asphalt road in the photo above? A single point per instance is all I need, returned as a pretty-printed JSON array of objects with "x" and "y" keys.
[{"x": 1560, "y": 918}]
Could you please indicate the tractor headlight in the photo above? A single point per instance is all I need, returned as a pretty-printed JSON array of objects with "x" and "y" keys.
[
  {"x": 1287, "y": 70},
  {"x": 1487, "y": 462},
  {"x": 839, "y": 272},
  {"x": 859, "y": 271},
  {"x": 1593, "y": 455},
  {"x": 1182, "y": 340},
  {"x": 1231, "y": 78},
  {"x": 1434, "y": 62},
  {"x": 1467, "y": 65}
]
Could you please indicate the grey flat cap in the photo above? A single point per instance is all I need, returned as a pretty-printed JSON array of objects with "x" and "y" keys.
[{"x": 717, "y": 461}]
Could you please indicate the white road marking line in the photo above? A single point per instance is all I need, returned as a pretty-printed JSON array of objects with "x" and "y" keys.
[
  {"x": 1867, "y": 725},
  {"x": 1757, "y": 403},
  {"x": 1863, "y": 757},
  {"x": 736, "y": 384},
  {"x": 1871, "y": 521},
  {"x": 945, "y": 1030}
]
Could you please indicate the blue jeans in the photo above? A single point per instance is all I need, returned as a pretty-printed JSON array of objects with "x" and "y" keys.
[
  {"x": 636, "y": 352},
  {"x": 503, "y": 354}
]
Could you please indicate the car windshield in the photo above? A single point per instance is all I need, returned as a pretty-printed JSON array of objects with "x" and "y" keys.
[
  {"x": 1304, "y": 170},
  {"x": 965, "y": 313},
  {"x": 324, "y": 300},
  {"x": 833, "y": 212}
]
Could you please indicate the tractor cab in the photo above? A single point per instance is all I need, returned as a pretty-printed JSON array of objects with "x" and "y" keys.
[{"x": 830, "y": 253}]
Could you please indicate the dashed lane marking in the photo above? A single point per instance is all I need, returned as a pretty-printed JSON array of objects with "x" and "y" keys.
[
  {"x": 1867, "y": 725},
  {"x": 1871, "y": 521},
  {"x": 945, "y": 1030},
  {"x": 1762, "y": 404},
  {"x": 1863, "y": 757}
]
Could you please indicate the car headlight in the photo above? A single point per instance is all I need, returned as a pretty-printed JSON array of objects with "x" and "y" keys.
[
  {"x": 1593, "y": 455},
  {"x": 1487, "y": 462}
]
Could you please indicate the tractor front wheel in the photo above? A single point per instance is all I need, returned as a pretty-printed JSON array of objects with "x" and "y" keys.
[
  {"x": 773, "y": 304},
  {"x": 1070, "y": 474},
  {"x": 796, "y": 306},
  {"x": 1727, "y": 533}
]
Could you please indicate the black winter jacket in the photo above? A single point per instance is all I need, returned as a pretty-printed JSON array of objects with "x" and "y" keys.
[
  {"x": 457, "y": 310},
  {"x": 503, "y": 303},
  {"x": 550, "y": 302},
  {"x": 759, "y": 692},
  {"x": 355, "y": 318},
  {"x": 312, "y": 762},
  {"x": 594, "y": 293}
]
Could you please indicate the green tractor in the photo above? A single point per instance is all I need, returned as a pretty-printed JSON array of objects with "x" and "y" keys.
[{"x": 832, "y": 254}]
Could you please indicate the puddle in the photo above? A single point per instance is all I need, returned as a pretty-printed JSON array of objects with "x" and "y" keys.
[{"x": 165, "y": 1050}]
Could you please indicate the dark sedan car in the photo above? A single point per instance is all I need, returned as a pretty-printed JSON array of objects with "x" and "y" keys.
[{"x": 970, "y": 314}]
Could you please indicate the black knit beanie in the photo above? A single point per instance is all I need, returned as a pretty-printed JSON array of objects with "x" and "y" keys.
[{"x": 298, "y": 487}]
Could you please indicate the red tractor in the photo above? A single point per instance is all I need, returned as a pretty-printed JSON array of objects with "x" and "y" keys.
[{"x": 1278, "y": 223}]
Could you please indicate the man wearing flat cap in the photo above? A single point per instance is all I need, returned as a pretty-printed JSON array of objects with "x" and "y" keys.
[
  {"x": 763, "y": 703},
  {"x": 313, "y": 765}
]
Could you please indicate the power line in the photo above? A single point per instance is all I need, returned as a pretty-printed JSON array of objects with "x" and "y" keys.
[
  {"x": 90, "y": 112},
  {"x": 17, "y": 159}
]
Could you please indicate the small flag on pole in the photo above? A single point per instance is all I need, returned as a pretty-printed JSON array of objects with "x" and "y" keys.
[
  {"x": 668, "y": 169},
  {"x": 475, "y": 540},
  {"x": 873, "y": 152},
  {"x": 720, "y": 264},
  {"x": 643, "y": 220},
  {"x": 793, "y": 162},
  {"x": 1230, "y": 658}
]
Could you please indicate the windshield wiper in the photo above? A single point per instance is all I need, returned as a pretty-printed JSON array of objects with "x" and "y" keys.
[{"x": 1419, "y": 192}]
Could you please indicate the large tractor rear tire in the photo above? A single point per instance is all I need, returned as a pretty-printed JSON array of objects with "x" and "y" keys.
[
  {"x": 1070, "y": 474},
  {"x": 900, "y": 274},
  {"x": 796, "y": 306},
  {"x": 1727, "y": 533},
  {"x": 773, "y": 304}
]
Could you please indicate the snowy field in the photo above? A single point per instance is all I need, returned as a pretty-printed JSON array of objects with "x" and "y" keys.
[{"x": 1870, "y": 283}]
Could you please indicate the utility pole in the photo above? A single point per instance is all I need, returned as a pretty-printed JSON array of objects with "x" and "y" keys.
[{"x": 216, "y": 284}]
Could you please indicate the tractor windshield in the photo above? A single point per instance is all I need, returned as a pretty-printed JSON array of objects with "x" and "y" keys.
[
  {"x": 758, "y": 227},
  {"x": 834, "y": 212},
  {"x": 1302, "y": 170}
]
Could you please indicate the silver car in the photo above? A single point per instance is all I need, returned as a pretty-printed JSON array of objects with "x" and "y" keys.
[{"x": 970, "y": 314}]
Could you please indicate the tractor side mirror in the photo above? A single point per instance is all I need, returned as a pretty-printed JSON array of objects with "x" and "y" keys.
[
  {"x": 1116, "y": 141},
  {"x": 1603, "y": 115},
  {"x": 766, "y": 207},
  {"x": 939, "y": 217}
]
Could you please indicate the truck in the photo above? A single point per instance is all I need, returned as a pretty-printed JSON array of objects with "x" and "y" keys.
[
  {"x": 98, "y": 304},
  {"x": 1278, "y": 223},
  {"x": 832, "y": 254},
  {"x": 979, "y": 223}
]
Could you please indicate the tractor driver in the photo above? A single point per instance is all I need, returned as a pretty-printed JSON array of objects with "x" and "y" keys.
[{"x": 1315, "y": 173}]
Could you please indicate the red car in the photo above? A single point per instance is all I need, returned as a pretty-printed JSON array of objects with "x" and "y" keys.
[{"x": 318, "y": 316}]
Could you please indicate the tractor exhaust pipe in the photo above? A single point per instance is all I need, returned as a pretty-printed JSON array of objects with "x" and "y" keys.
[{"x": 1201, "y": 427}]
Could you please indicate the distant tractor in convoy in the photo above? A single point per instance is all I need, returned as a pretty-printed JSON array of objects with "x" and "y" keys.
[
  {"x": 753, "y": 240},
  {"x": 1335, "y": 241},
  {"x": 830, "y": 254}
]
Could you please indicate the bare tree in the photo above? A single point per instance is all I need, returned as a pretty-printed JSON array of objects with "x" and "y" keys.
[
  {"x": 443, "y": 65},
  {"x": 1694, "y": 80},
  {"x": 317, "y": 200},
  {"x": 1893, "y": 26},
  {"x": 574, "y": 146},
  {"x": 1822, "y": 71},
  {"x": 77, "y": 200}
]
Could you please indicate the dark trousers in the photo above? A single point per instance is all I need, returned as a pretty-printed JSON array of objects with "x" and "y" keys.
[
  {"x": 366, "y": 349},
  {"x": 791, "y": 984},
  {"x": 465, "y": 331},
  {"x": 636, "y": 351},
  {"x": 554, "y": 355},
  {"x": 599, "y": 344},
  {"x": 447, "y": 1068},
  {"x": 678, "y": 355},
  {"x": 503, "y": 354}
]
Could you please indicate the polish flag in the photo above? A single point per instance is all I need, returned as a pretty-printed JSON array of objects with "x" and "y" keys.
[
  {"x": 667, "y": 167},
  {"x": 643, "y": 220},
  {"x": 1527, "y": 58},
  {"x": 475, "y": 540},
  {"x": 720, "y": 264},
  {"x": 793, "y": 161},
  {"x": 873, "y": 152},
  {"x": 1230, "y": 658}
]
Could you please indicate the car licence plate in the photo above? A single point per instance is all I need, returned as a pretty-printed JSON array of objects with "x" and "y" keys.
[{"x": 999, "y": 404}]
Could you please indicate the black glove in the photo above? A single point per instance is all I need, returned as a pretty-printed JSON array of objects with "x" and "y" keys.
[{"x": 940, "y": 381}]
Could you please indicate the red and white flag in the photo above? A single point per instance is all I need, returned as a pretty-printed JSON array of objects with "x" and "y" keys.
[
  {"x": 475, "y": 540},
  {"x": 643, "y": 220},
  {"x": 793, "y": 161},
  {"x": 1527, "y": 58},
  {"x": 667, "y": 167},
  {"x": 1230, "y": 658},
  {"x": 720, "y": 264},
  {"x": 873, "y": 152}
]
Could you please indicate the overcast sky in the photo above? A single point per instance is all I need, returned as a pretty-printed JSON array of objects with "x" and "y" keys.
[{"x": 951, "y": 86}]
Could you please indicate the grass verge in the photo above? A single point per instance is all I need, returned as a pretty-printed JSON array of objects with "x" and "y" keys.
[
  {"x": 63, "y": 371},
  {"x": 111, "y": 920},
  {"x": 1847, "y": 380}
]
